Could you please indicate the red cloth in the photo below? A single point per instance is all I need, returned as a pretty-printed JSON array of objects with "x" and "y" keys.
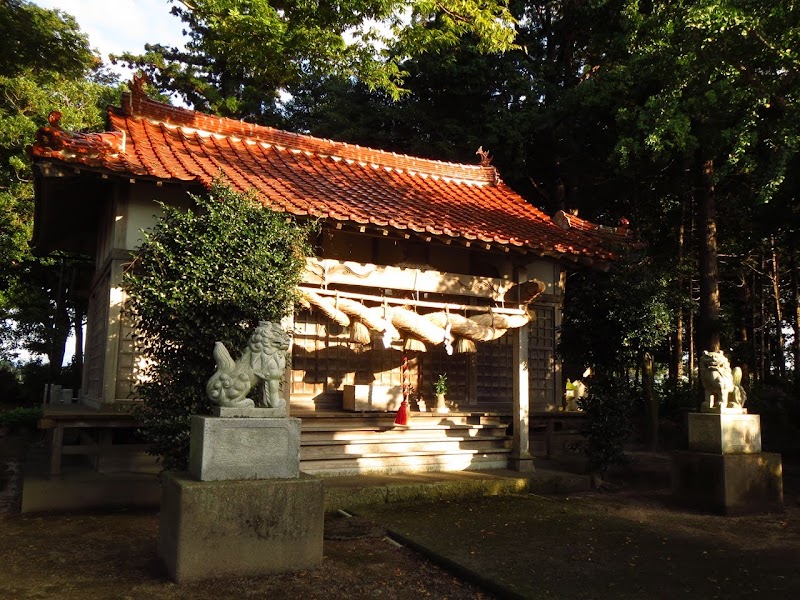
[{"x": 402, "y": 414}]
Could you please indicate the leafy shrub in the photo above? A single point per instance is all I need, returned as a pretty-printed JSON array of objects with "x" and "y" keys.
[
  {"x": 21, "y": 417},
  {"x": 10, "y": 383},
  {"x": 199, "y": 277},
  {"x": 23, "y": 385},
  {"x": 608, "y": 422},
  {"x": 776, "y": 400},
  {"x": 676, "y": 397}
]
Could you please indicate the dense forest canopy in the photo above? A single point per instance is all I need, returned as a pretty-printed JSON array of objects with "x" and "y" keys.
[{"x": 680, "y": 116}]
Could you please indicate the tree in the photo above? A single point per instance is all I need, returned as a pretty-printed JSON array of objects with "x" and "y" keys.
[
  {"x": 200, "y": 277},
  {"x": 42, "y": 38},
  {"x": 46, "y": 64},
  {"x": 242, "y": 54},
  {"x": 455, "y": 103},
  {"x": 611, "y": 319},
  {"x": 716, "y": 78}
]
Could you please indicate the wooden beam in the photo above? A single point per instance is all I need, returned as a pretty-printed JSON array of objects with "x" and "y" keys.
[
  {"x": 410, "y": 302},
  {"x": 323, "y": 272}
]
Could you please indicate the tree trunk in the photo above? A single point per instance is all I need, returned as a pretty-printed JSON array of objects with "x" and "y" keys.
[
  {"x": 795, "y": 309},
  {"x": 78, "y": 325},
  {"x": 690, "y": 325},
  {"x": 59, "y": 329},
  {"x": 709, "y": 328},
  {"x": 744, "y": 333},
  {"x": 676, "y": 366},
  {"x": 754, "y": 327},
  {"x": 780, "y": 357},
  {"x": 650, "y": 402},
  {"x": 763, "y": 342},
  {"x": 690, "y": 331}
]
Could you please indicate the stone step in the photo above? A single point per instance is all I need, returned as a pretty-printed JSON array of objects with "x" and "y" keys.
[
  {"x": 337, "y": 442},
  {"x": 340, "y": 420},
  {"x": 346, "y": 449},
  {"x": 384, "y": 463},
  {"x": 319, "y": 432}
]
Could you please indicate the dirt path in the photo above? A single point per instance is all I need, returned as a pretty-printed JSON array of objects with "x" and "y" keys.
[{"x": 113, "y": 557}]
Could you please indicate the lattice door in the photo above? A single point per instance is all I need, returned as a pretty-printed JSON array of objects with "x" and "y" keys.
[{"x": 541, "y": 358}]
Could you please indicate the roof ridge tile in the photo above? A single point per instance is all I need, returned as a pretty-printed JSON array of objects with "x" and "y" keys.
[{"x": 139, "y": 105}]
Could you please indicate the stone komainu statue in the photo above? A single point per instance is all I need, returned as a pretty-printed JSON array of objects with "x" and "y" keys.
[
  {"x": 723, "y": 387},
  {"x": 263, "y": 359}
]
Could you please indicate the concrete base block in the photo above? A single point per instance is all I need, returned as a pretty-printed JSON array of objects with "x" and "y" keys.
[
  {"x": 724, "y": 433},
  {"x": 241, "y": 448},
  {"x": 212, "y": 529},
  {"x": 521, "y": 463},
  {"x": 729, "y": 484}
]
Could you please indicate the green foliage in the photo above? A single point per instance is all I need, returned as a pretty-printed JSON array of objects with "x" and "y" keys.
[
  {"x": 9, "y": 383},
  {"x": 23, "y": 384},
  {"x": 611, "y": 318},
  {"x": 440, "y": 385},
  {"x": 676, "y": 398},
  {"x": 242, "y": 53},
  {"x": 42, "y": 38},
  {"x": 46, "y": 64},
  {"x": 199, "y": 277},
  {"x": 607, "y": 425},
  {"x": 21, "y": 417}
]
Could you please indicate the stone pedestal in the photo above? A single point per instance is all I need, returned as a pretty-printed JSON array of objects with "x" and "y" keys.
[
  {"x": 243, "y": 508},
  {"x": 729, "y": 484},
  {"x": 724, "y": 433},
  {"x": 724, "y": 470},
  {"x": 239, "y": 528},
  {"x": 225, "y": 448}
]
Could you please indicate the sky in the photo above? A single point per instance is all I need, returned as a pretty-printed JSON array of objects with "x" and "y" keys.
[{"x": 116, "y": 26}]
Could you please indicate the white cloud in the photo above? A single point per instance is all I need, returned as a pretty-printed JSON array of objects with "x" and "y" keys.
[{"x": 116, "y": 26}]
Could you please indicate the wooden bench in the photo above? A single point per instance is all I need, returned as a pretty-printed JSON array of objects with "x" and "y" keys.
[{"x": 95, "y": 429}]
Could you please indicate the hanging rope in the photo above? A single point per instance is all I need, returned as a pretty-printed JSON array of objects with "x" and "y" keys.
[
  {"x": 433, "y": 328},
  {"x": 328, "y": 308}
]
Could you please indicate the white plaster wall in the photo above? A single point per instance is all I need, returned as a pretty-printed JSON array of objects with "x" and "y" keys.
[
  {"x": 549, "y": 273},
  {"x": 142, "y": 215},
  {"x": 143, "y": 211}
]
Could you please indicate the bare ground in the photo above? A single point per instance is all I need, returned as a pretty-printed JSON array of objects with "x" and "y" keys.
[
  {"x": 113, "y": 556},
  {"x": 631, "y": 543}
]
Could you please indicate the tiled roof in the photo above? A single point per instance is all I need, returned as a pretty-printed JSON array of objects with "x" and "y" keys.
[
  {"x": 618, "y": 237},
  {"x": 304, "y": 175}
]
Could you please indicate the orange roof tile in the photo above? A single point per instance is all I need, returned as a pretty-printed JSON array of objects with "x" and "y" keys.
[
  {"x": 304, "y": 175},
  {"x": 619, "y": 237}
]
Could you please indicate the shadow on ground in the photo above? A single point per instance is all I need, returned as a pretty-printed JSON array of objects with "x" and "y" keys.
[
  {"x": 632, "y": 543},
  {"x": 627, "y": 544},
  {"x": 113, "y": 557}
]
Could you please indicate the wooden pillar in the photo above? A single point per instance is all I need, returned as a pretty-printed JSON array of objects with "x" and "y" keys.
[
  {"x": 286, "y": 385},
  {"x": 115, "y": 333},
  {"x": 521, "y": 459}
]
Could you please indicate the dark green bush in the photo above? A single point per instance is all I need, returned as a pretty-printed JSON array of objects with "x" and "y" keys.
[
  {"x": 608, "y": 409},
  {"x": 199, "y": 277},
  {"x": 10, "y": 384},
  {"x": 21, "y": 417},
  {"x": 676, "y": 398}
]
